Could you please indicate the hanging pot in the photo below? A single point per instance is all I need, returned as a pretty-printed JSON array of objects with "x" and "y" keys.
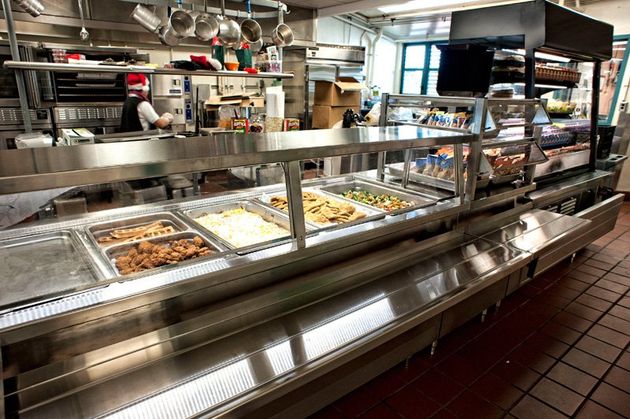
[
  {"x": 282, "y": 35},
  {"x": 146, "y": 18},
  {"x": 206, "y": 26},
  {"x": 229, "y": 30},
  {"x": 181, "y": 22},
  {"x": 250, "y": 29}
]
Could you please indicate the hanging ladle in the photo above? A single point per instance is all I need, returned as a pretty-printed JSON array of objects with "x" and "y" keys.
[{"x": 84, "y": 34}]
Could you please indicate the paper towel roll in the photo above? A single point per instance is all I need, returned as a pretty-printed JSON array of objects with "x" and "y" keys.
[{"x": 275, "y": 102}]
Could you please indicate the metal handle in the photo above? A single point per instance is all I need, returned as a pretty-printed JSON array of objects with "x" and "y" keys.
[
  {"x": 223, "y": 8},
  {"x": 248, "y": 8},
  {"x": 280, "y": 14}
]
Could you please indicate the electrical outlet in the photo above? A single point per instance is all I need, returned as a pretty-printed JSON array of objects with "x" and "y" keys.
[{"x": 623, "y": 106}]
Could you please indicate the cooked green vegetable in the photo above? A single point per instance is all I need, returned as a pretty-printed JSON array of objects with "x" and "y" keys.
[{"x": 384, "y": 202}]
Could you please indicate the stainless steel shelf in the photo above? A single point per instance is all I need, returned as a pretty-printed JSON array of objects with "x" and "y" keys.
[
  {"x": 44, "y": 168},
  {"x": 74, "y": 68},
  {"x": 498, "y": 142}
]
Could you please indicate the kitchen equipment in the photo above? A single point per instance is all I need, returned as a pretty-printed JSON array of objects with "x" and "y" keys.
[
  {"x": 84, "y": 34},
  {"x": 32, "y": 7},
  {"x": 256, "y": 46},
  {"x": 250, "y": 29},
  {"x": 146, "y": 18},
  {"x": 282, "y": 35},
  {"x": 181, "y": 23},
  {"x": 169, "y": 37},
  {"x": 229, "y": 30},
  {"x": 43, "y": 265},
  {"x": 206, "y": 26}
]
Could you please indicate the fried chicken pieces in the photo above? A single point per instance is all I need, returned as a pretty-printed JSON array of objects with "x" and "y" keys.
[{"x": 147, "y": 255}]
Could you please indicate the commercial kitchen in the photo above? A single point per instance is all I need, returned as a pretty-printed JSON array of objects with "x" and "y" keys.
[{"x": 337, "y": 208}]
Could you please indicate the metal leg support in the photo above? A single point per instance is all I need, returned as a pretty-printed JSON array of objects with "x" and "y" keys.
[
  {"x": 497, "y": 306},
  {"x": 483, "y": 315},
  {"x": 293, "y": 180}
]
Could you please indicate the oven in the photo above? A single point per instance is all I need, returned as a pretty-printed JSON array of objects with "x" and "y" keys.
[{"x": 12, "y": 124}]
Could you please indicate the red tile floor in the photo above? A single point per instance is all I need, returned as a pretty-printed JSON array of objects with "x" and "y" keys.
[{"x": 558, "y": 347}]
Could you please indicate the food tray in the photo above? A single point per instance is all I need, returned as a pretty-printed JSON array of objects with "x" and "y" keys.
[
  {"x": 111, "y": 253},
  {"x": 42, "y": 266},
  {"x": 370, "y": 212},
  {"x": 272, "y": 216},
  {"x": 356, "y": 185},
  {"x": 97, "y": 231},
  {"x": 397, "y": 170}
]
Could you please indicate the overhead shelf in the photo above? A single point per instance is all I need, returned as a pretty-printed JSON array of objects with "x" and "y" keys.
[{"x": 78, "y": 68}]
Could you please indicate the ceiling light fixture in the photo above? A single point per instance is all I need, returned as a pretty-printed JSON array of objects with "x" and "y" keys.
[{"x": 422, "y": 5}]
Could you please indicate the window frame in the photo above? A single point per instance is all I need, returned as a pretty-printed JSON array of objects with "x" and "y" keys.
[{"x": 426, "y": 69}]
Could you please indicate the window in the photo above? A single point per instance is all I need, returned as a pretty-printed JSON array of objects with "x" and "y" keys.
[{"x": 420, "y": 66}]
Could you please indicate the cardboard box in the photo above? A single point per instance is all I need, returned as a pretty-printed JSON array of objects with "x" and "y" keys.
[
  {"x": 327, "y": 116},
  {"x": 346, "y": 91}
]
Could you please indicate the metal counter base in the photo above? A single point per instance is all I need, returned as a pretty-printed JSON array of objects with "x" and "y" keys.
[{"x": 291, "y": 348}]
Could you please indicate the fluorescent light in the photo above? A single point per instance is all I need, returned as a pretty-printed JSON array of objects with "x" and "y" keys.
[
  {"x": 422, "y": 4},
  {"x": 552, "y": 57}
]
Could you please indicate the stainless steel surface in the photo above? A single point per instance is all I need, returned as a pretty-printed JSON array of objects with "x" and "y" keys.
[
  {"x": 292, "y": 178},
  {"x": 282, "y": 34},
  {"x": 574, "y": 185},
  {"x": 229, "y": 30},
  {"x": 33, "y": 169},
  {"x": 97, "y": 231},
  {"x": 493, "y": 198},
  {"x": 206, "y": 27},
  {"x": 15, "y": 54},
  {"x": 113, "y": 252},
  {"x": 32, "y": 7},
  {"x": 417, "y": 201},
  {"x": 297, "y": 345},
  {"x": 398, "y": 170},
  {"x": 563, "y": 162},
  {"x": 251, "y": 32},
  {"x": 182, "y": 280},
  {"x": 536, "y": 231},
  {"x": 168, "y": 36},
  {"x": 145, "y": 17},
  {"x": 274, "y": 217},
  {"x": 182, "y": 24},
  {"x": 73, "y": 68},
  {"x": 42, "y": 266}
]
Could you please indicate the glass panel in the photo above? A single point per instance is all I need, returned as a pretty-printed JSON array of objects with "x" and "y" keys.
[
  {"x": 412, "y": 82},
  {"x": 414, "y": 56}
]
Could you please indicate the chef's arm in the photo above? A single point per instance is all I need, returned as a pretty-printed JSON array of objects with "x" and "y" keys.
[{"x": 164, "y": 121}]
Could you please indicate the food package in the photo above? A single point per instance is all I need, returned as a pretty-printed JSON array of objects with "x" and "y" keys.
[
  {"x": 240, "y": 125},
  {"x": 291, "y": 124}
]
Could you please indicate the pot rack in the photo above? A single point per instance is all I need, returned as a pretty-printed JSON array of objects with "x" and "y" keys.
[{"x": 275, "y": 5}]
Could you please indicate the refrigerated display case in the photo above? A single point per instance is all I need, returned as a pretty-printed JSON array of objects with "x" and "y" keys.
[{"x": 318, "y": 286}]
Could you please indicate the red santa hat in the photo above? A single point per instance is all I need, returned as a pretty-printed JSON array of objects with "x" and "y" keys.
[{"x": 135, "y": 81}]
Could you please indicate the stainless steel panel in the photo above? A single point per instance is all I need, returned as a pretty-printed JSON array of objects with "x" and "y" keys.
[
  {"x": 42, "y": 266},
  {"x": 113, "y": 252},
  {"x": 397, "y": 170},
  {"x": 96, "y": 231},
  {"x": 98, "y": 163},
  {"x": 416, "y": 200},
  {"x": 205, "y": 377},
  {"x": 271, "y": 216}
]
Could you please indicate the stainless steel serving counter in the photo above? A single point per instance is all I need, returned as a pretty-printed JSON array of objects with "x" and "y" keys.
[{"x": 43, "y": 168}]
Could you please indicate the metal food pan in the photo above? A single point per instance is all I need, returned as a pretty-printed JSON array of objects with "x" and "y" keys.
[
  {"x": 43, "y": 266},
  {"x": 397, "y": 170},
  {"x": 357, "y": 185},
  {"x": 113, "y": 252},
  {"x": 97, "y": 231},
  {"x": 270, "y": 215},
  {"x": 371, "y": 213}
]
